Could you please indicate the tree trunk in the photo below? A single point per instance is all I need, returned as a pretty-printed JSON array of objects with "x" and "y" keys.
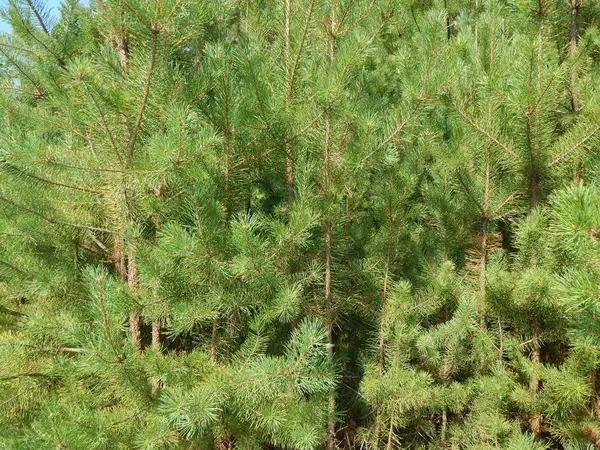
[
  {"x": 289, "y": 172},
  {"x": 224, "y": 442},
  {"x": 534, "y": 384},
  {"x": 573, "y": 38},
  {"x": 331, "y": 441},
  {"x": 135, "y": 321},
  {"x": 156, "y": 342}
]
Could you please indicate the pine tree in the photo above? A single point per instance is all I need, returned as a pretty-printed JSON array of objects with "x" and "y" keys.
[{"x": 299, "y": 225}]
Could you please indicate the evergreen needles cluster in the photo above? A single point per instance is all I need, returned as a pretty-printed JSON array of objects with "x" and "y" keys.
[{"x": 300, "y": 224}]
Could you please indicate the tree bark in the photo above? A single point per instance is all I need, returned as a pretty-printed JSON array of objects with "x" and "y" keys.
[
  {"x": 534, "y": 384},
  {"x": 573, "y": 38},
  {"x": 156, "y": 343}
]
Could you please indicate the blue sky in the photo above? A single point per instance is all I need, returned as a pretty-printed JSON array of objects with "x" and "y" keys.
[{"x": 50, "y": 4}]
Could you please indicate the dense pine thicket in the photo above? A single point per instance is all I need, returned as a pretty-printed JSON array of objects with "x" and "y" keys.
[{"x": 300, "y": 224}]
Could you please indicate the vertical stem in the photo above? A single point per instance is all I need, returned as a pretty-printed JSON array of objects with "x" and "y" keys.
[
  {"x": 482, "y": 268},
  {"x": 534, "y": 383},
  {"x": 484, "y": 228},
  {"x": 227, "y": 143},
  {"x": 594, "y": 410},
  {"x": 138, "y": 122},
  {"x": 134, "y": 317},
  {"x": 534, "y": 178},
  {"x": 288, "y": 101},
  {"x": 391, "y": 432},
  {"x": 574, "y": 5},
  {"x": 119, "y": 257},
  {"x": 444, "y": 424},
  {"x": 476, "y": 26},
  {"x": 381, "y": 342},
  {"x": 156, "y": 338},
  {"x": 224, "y": 442},
  {"x": 213, "y": 339},
  {"x": 156, "y": 341},
  {"x": 122, "y": 45},
  {"x": 501, "y": 347},
  {"x": 122, "y": 48},
  {"x": 447, "y": 20},
  {"x": 8, "y": 124},
  {"x": 328, "y": 306},
  {"x": 575, "y": 104},
  {"x": 330, "y": 350},
  {"x": 33, "y": 8},
  {"x": 227, "y": 163}
]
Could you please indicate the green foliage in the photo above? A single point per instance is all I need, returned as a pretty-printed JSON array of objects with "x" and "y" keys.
[{"x": 300, "y": 225}]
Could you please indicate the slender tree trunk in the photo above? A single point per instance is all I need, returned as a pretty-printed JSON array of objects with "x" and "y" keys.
[
  {"x": 123, "y": 44},
  {"x": 289, "y": 176},
  {"x": 213, "y": 339},
  {"x": 224, "y": 442},
  {"x": 156, "y": 343},
  {"x": 447, "y": 20},
  {"x": 476, "y": 24},
  {"x": 127, "y": 271},
  {"x": 330, "y": 350},
  {"x": 380, "y": 339},
  {"x": 123, "y": 50},
  {"x": 331, "y": 441},
  {"x": 535, "y": 420},
  {"x": 534, "y": 180},
  {"x": 381, "y": 354},
  {"x": 444, "y": 424},
  {"x": 501, "y": 347},
  {"x": 534, "y": 384},
  {"x": 574, "y": 5},
  {"x": 8, "y": 124},
  {"x": 595, "y": 397},
  {"x": 573, "y": 38},
  {"x": 390, "y": 433},
  {"x": 135, "y": 320},
  {"x": 484, "y": 230},
  {"x": 482, "y": 269}
]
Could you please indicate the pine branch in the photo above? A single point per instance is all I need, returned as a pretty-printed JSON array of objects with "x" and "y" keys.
[
  {"x": 140, "y": 115},
  {"x": 486, "y": 133},
  {"x": 575, "y": 147},
  {"x": 95, "y": 169},
  {"x": 38, "y": 16},
  {"x": 20, "y": 69},
  {"x": 35, "y": 38},
  {"x": 45, "y": 180},
  {"x": 105, "y": 320},
  {"x": 28, "y": 374},
  {"x": 168, "y": 18},
  {"x": 292, "y": 78},
  {"x": 467, "y": 189},
  {"x": 137, "y": 15},
  {"x": 103, "y": 119},
  {"x": 10, "y": 312},
  {"x": 50, "y": 219},
  {"x": 15, "y": 268},
  {"x": 10, "y": 399}
]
